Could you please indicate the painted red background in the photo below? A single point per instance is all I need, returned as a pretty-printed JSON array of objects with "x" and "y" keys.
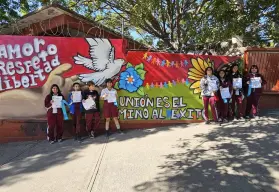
[
  {"x": 157, "y": 73},
  {"x": 69, "y": 47}
]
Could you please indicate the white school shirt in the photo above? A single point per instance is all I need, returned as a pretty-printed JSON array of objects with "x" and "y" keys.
[{"x": 111, "y": 92}]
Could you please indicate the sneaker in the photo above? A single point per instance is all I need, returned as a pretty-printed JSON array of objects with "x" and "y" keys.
[
  {"x": 219, "y": 120},
  {"x": 52, "y": 142},
  {"x": 89, "y": 135},
  {"x": 119, "y": 131},
  {"x": 247, "y": 117},
  {"x": 92, "y": 134},
  {"x": 241, "y": 118},
  {"x": 207, "y": 122},
  {"x": 225, "y": 121},
  {"x": 60, "y": 140}
]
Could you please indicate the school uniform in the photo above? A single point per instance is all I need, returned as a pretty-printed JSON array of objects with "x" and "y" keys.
[
  {"x": 237, "y": 97},
  {"x": 76, "y": 114},
  {"x": 208, "y": 95},
  {"x": 254, "y": 97},
  {"x": 55, "y": 119},
  {"x": 110, "y": 108},
  {"x": 93, "y": 113},
  {"x": 223, "y": 107}
]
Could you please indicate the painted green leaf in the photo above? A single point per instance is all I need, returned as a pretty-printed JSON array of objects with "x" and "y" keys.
[
  {"x": 116, "y": 86},
  {"x": 139, "y": 66},
  {"x": 129, "y": 65},
  {"x": 141, "y": 73},
  {"x": 140, "y": 91}
]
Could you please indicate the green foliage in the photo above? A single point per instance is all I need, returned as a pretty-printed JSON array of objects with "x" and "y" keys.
[{"x": 171, "y": 25}]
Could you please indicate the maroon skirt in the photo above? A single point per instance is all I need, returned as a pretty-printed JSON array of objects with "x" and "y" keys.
[{"x": 110, "y": 110}]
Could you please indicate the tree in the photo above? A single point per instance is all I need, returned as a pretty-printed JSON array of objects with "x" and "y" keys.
[{"x": 174, "y": 25}]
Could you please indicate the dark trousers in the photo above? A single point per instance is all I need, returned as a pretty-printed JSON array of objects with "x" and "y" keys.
[
  {"x": 223, "y": 109},
  {"x": 237, "y": 99},
  {"x": 210, "y": 101},
  {"x": 252, "y": 103},
  {"x": 76, "y": 122},
  {"x": 55, "y": 120},
  {"x": 90, "y": 124}
]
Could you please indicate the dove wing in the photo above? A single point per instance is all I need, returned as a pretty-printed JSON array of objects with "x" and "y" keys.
[{"x": 101, "y": 52}]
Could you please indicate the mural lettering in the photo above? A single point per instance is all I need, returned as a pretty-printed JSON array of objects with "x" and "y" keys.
[
  {"x": 150, "y": 85},
  {"x": 26, "y": 65},
  {"x": 173, "y": 108}
]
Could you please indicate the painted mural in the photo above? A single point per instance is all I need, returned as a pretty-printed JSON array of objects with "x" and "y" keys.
[{"x": 151, "y": 85}]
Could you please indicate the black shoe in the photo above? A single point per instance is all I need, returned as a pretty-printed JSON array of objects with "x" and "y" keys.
[
  {"x": 119, "y": 131},
  {"x": 247, "y": 117},
  {"x": 207, "y": 122},
  {"x": 107, "y": 133},
  {"x": 79, "y": 139}
]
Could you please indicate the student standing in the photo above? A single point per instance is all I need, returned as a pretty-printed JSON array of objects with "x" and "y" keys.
[
  {"x": 75, "y": 110},
  {"x": 109, "y": 95},
  {"x": 254, "y": 94},
  {"x": 54, "y": 115},
  {"x": 209, "y": 85},
  {"x": 237, "y": 93},
  {"x": 93, "y": 113},
  {"x": 223, "y": 103}
]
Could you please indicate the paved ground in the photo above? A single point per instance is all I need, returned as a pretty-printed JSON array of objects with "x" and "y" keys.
[{"x": 241, "y": 156}]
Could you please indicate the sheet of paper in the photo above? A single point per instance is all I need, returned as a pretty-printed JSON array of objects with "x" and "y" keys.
[
  {"x": 237, "y": 82},
  {"x": 76, "y": 96},
  {"x": 256, "y": 82},
  {"x": 212, "y": 86},
  {"x": 89, "y": 104},
  {"x": 56, "y": 101},
  {"x": 225, "y": 93},
  {"x": 111, "y": 97}
]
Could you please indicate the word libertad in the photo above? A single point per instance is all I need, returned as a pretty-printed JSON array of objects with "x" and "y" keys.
[{"x": 27, "y": 65}]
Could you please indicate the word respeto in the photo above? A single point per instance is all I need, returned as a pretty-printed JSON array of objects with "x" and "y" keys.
[{"x": 26, "y": 65}]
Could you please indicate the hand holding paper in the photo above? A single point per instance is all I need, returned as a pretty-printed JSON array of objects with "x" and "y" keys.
[
  {"x": 76, "y": 96},
  {"x": 237, "y": 83},
  {"x": 89, "y": 104},
  {"x": 111, "y": 98},
  {"x": 256, "y": 82},
  {"x": 225, "y": 93},
  {"x": 56, "y": 101}
]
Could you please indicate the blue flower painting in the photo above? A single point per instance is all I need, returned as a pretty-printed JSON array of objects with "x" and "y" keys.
[{"x": 130, "y": 80}]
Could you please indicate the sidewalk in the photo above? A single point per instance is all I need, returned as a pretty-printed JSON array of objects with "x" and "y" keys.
[{"x": 240, "y": 156}]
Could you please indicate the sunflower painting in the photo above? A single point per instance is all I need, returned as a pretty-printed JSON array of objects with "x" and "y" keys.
[{"x": 196, "y": 72}]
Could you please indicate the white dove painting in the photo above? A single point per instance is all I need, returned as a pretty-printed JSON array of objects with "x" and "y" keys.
[{"x": 102, "y": 61}]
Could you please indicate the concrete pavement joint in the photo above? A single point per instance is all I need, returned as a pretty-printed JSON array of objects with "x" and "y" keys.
[{"x": 97, "y": 167}]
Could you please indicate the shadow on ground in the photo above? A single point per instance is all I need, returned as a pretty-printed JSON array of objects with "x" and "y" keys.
[
  {"x": 17, "y": 160},
  {"x": 241, "y": 156}
]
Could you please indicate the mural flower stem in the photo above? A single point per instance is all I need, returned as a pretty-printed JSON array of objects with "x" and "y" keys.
[{"x": 132, "y": 79}]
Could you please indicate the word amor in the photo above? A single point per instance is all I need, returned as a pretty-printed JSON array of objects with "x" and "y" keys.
[{"x": 27, "y": 65}]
